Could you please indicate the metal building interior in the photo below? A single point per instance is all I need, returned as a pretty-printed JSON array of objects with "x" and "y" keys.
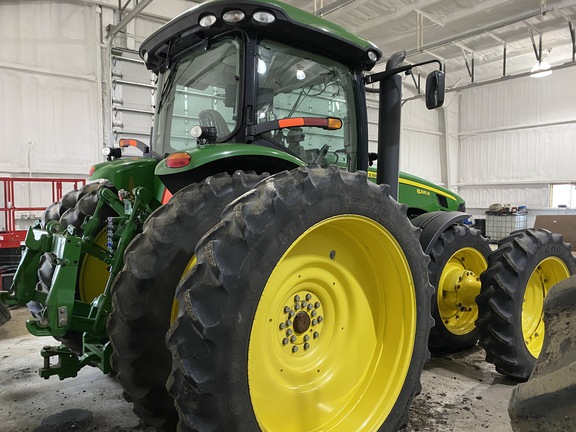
[{"x": 72, "y": 83}]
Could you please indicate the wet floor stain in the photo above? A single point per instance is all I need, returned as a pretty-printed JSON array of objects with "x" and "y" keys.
[{"x": 67, "y": 420}]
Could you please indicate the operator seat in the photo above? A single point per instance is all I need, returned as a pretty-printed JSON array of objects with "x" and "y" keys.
[{"x": 213, "y": 118}]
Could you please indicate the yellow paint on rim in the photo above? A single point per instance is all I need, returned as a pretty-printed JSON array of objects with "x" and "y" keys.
[
  {"x": 457, "y": 289},
  {"x": 345, "y": 289},
  {"x": 549, "y": 272},
  {"x": 94, "y": 273},
  {"x": 175, "y": 303}
]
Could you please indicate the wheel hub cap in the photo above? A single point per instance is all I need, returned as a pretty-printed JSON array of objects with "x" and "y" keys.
[{"x": 300, "y": 322}]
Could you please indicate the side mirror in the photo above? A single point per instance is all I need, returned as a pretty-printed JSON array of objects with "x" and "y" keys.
[{"x": 435, "y": 89}]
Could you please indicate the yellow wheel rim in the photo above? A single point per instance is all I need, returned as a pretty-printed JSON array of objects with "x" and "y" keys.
[
  {"x": 457, "y": 289},
  {"x": 549, "y": 272},
  {"x": 175, "y": 304},
  {"x": 334, "y": 330},
  {"x": 93, "y": 272}
]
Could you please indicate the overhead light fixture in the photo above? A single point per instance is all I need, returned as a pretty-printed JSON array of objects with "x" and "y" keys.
[
  {"x": 261, "y": 68},
  {"x": 300, "y": 74},
  {"x": 540, "y": 69}
]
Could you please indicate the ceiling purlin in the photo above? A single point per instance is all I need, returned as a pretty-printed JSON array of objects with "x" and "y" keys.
[{"x": 403, "y": 11}]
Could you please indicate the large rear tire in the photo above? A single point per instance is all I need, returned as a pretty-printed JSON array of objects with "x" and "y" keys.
[
  {"x": 457, "y": 259},
  {"x": 510, "y": 305},
  {"x": 143, "y": 292},
  {"x": 308, "y": 309}
]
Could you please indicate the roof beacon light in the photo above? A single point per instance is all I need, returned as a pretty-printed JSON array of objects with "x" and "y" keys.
[
  {"x": 207, "y": 21},
  {"x": 264, "y": 17},
  {"x": 233, "y": 16}
]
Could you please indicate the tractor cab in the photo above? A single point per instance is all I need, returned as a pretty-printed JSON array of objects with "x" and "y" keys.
[{"x": 256, "y": 83}]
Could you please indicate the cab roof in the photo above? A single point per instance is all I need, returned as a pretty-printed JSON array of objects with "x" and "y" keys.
[{"x": 290, "y": 25}]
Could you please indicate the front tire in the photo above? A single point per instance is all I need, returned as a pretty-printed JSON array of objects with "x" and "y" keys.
[
  {"x": 510, "y": 305},
  {"x": 308, "y": 309}
]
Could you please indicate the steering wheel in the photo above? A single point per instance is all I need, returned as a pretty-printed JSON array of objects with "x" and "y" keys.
[{"x": 321, "y": 154}]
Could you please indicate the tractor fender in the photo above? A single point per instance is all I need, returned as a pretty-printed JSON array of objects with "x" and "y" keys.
[{"x": 433, "y": 224}]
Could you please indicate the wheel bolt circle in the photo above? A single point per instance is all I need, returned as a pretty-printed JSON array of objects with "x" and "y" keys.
[{"x": 300, "y": 325}]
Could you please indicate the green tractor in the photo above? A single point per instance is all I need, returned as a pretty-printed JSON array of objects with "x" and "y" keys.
[{"x": 251, "y": 271}]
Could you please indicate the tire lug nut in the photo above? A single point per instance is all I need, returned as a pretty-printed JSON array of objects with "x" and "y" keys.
[
  {"x": 317, "y": 305},
  {"x": 306, "y": 346},
  {"x": 291, "y": 313},
  {"x": 306, "y": 338},
  {"x": 288, "y": 323},
  {"x": 316, "y": 335},
  {"x": 285, "y": 341},
  {"x": 296, "y": 298},
  {"x": 294, "y": 349},
  {"x": 320, "y": 319},
  {"x": 308, "y": 297},
  {"x": 314, "y": 322},
  {"x": 287, "y": 309},
  {"x": 282, "y": 326},
  {"x": 296, "y": 306},
  {"x": 289, "y": 332},
  {"x": 314, "y": 313},
  {"x": 304, "y": 304},
  {"x": 310, "y": 306},
  {"x": 293, "y": 339}
]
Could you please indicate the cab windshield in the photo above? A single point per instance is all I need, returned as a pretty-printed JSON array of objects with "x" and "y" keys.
[
  {"x": 294, "y": 83},
  {"x": 200, "y": 89}
]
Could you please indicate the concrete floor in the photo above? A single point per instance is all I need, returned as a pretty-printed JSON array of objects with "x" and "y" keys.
[{"x": 460, "y": 393}]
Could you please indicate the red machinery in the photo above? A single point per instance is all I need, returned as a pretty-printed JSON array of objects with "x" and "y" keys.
[{"x": 10, "y": 237}]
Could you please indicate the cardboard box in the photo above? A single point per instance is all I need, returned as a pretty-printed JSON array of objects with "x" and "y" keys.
[{"x": 562, "y": 224}]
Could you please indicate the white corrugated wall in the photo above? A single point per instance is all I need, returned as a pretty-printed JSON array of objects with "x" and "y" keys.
[
  {"x": 50, "y": 94},
  {"x": 516, "y": 138}
]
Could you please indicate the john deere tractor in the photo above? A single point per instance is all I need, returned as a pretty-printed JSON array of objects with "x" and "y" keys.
[{"x": 251, "y": 271}]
